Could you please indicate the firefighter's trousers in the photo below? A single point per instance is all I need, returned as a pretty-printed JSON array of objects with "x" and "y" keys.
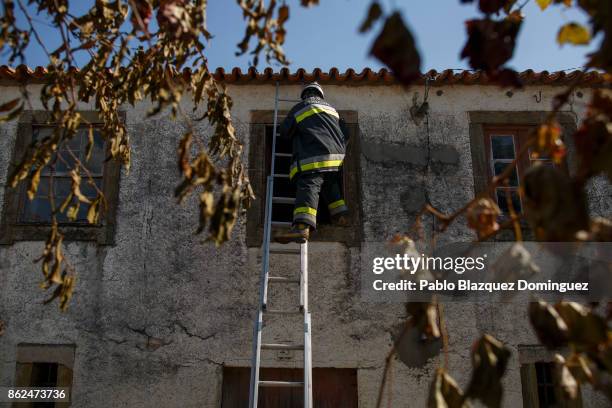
[{"x": 309, "y": 186}]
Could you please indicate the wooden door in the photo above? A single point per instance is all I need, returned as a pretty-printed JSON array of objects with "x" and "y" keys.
[{"x": 332, "y": 388}]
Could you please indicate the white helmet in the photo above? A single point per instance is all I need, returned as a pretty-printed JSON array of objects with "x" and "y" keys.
[{"x": 313, "y": 85}]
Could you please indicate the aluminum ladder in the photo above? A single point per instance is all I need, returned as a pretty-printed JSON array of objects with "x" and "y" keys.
[{"x": 266, "y": 279}]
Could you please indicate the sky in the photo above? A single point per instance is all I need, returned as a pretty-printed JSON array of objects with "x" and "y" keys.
[{"x": 326, "y": 35}]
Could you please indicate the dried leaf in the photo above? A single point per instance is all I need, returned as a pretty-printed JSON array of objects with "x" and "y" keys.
[
  {"x": 585, "y": 328},
  {"x": 90, "y": 143},
  {"x": 593, "y": 140},
  {"x": 490, "y": 43},
  {"x": 76, "y": 186},
  {"x": 413, "y": 346},
  {"x": 579, "y": 367},
  {"x": 491, "y": 6},
  {"x": 395, "y": 47},
  {"x": 14, "y": 114},
  {"x": 374, "y": 13},
  {"x": 573, "y": 33},
  {"x": 207, "y": 210},
  {"x": 601, "y": 231},
  {"x": 59, "y": 258},
  {"x": 34, "y": 181},
  {"x": 87, "y": 45},
  {"x": 489, "y": 358},
  {"x": 425, "y": 317},
  {"x": 514, "y": 264},
  {"x": 445, "y": 393},
  {"x": 5, "y": 107},
  {"x": 549, "y": 142},
  {"x": 173, "y": 18},
  {"x": 508, "y": 7},
  {"x": 141, "y": 16},
  {"x": 184, "y": 155},
  {"x": 551, "y": 329},
  {"x": 482, "y": 216},
  {"x": 554, "y": 206},
  {"x": 93, "y": 213},
  {"x": 63, "y": 292},
  {"x": 73, "y": 211},
  {"x": 565, "y": 379},
  {"x": 283, "y": 14},
  {"x": 544, "y": 3},
  {"x": 65, "y": 203}
]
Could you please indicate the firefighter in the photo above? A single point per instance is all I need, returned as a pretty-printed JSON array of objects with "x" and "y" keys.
[{"x": 319, "y": 140}]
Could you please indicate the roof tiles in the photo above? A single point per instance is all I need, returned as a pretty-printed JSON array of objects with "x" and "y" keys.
[{"x": 368, "y": 76}]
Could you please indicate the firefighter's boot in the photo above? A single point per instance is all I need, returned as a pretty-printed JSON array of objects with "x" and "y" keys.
[
  {"x": 298, "y": 233},
  {"x": 340, "y": 220}
]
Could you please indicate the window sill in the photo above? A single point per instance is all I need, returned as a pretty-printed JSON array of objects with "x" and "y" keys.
[
  {"x": 324, "y": 233},
  {"x": 102, "y": 235}
]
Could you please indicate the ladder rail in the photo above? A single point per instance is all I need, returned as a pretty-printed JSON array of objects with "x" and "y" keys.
[
  {"x": 269, "y": 195},
  {"x": 263, "y": 293},
  {"x": 263, "y": 288},
  {"x": 307, "y": 325}
]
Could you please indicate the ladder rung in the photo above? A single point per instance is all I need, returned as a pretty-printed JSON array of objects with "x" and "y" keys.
[
  {"x": 270, "y": 346},
  {"x": 283, "y": 200},
  {"x": 283, "y": 154},
  {"x": 282, "y": 312},
  {"x": 282, "y": 279},
  {"x": 280, "y": 175},
  {"x": 281, "y": 384},
  {"x": 285, "y": 250},
  {"x": 281, "y": 224}
]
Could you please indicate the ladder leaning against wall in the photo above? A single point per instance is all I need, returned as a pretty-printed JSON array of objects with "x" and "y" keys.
[{"x": 266, "y": 279}]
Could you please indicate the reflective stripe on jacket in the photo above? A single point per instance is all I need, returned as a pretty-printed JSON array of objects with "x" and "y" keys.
[{"x": 319, "y": 136}]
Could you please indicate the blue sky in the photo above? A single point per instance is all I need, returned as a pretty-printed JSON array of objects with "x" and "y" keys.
[{"x": 326, "y": 36}]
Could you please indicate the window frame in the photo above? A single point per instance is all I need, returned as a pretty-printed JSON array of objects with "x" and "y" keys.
[
  {"x": 529, "y": 355},
  {"x": 12, "y": 229},
  {"x": 349, "y": 235},
  {"x": 518, "y": 133},
  {"x": 480, "y": 125},
  {"x": 29, "y": 354}
]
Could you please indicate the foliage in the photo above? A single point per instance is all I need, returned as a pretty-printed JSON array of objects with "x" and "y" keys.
[
  {"x": 128, "y": 59},
  {"x": 554, "y": 204},
  {"x": 131, "y": 57}
]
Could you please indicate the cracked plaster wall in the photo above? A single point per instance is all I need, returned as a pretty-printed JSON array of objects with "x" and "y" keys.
[{"x": 156, "y": 316}]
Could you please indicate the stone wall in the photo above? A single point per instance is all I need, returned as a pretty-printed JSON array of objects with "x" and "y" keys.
[{"x": 156, "y": 316}]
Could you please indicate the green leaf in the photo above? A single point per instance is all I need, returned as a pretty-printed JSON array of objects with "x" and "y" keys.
[{"x": 573, "y": 33}]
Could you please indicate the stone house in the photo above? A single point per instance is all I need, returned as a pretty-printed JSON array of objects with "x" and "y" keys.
[{"x": 159, "y": 318}]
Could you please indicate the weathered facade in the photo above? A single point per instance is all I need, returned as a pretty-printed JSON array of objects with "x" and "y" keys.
[{"x": 158, "y": 316}]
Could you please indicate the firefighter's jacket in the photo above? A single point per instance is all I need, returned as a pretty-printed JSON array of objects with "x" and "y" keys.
[{"x": 319, "y": 137}]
